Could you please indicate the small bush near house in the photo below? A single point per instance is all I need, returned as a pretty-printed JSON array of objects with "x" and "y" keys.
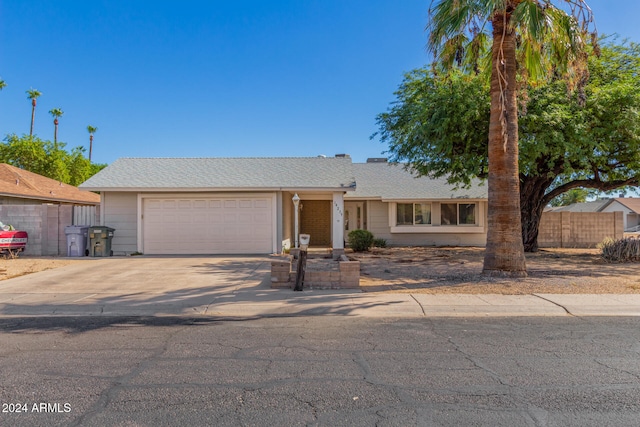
[
  {"x": 379, "y": 242},
  {"x": 360, "y": 240},
  {"x": 622, "y": 250}
]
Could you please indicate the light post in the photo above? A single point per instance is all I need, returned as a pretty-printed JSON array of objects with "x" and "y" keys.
[{"x": 296, "y": 203}]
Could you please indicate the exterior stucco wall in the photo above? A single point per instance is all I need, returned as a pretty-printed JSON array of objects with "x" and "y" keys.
[
  {"x": 120, "y": 211},
  {"x": 378, "y": 221}
]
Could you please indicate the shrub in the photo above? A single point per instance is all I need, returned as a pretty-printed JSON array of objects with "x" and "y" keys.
[
  {"x": 360, "y": 240},
  {"x": 379, "y": 242},
  {"x": 622, "y": 250}
]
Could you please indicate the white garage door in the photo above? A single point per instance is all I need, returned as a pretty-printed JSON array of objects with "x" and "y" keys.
[{"x": 225, "y": 225}]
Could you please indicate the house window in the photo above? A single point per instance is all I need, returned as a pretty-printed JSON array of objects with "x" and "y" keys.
[
  {"x": 413, "y": 213},
  {"x": 449, "y": 214},
  {"x": 467, "y": 213},
  {"x": 458, "y": 213}
]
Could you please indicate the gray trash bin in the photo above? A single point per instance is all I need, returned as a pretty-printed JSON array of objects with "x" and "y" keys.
[
  {"x": 76, "y": 240},
  {"x": 100, "y": 241}
]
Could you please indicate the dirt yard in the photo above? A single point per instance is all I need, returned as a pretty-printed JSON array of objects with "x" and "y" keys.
[
  {"x": 26, "y": 265},
  {"x": 449, "y": 270},
  {"x": 459, "y": 270}
]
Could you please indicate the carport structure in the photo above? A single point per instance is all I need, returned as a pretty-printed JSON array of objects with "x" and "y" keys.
[{"x": 221, "y": 205}]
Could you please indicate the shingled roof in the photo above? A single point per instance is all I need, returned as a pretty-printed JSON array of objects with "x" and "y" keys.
[
  {"x": 392, "y": 181},
  {"x": 19, "y": 183},
  {"x": 226, "y": 174}
]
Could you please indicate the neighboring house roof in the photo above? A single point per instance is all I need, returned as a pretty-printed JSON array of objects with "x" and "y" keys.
[
  {"x": 198, "y": 174},
  {"x": 392, "y": 181},
  {"x": 19, "y": 183},
  {"x": 632, "y": 203},
  {"x": 594, "y": 206}
]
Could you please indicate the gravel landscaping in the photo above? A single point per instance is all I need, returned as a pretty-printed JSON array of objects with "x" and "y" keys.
[{"x": 459, "y": 270}]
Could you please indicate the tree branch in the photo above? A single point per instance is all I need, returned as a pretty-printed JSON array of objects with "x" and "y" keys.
[{"x": 590, "y": 183}]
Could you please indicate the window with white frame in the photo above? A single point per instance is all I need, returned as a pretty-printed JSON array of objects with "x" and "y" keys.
[
  {"x": 413, "y": 213},
  {"x": 458, "y": 214}
]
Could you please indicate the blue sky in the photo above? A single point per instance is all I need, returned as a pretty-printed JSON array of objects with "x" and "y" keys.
[{"x": 219, "y": 78}]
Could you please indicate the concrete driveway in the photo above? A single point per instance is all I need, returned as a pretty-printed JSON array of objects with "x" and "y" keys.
[
  {"x": 134, "y": 285},
  {"x": 222, "y": 286}
]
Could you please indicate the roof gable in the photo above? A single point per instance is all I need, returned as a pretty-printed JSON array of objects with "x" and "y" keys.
[
  {"x": 16, "y": 182},
  {"x": 631, "y": 203}
]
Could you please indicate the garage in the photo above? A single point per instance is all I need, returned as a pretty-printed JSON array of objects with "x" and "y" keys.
[{"x": 208, "y": 225}]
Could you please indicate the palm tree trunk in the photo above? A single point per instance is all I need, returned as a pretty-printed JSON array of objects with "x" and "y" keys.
[
  {"x": 55, "y": 134},
  {"x": 504, "y": 254},
  {"x": 33, "y": 115},
  {"x": 90, "y": 146}
]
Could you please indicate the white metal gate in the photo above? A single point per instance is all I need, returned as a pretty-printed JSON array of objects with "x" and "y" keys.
[{"x": 86, "y": 215}]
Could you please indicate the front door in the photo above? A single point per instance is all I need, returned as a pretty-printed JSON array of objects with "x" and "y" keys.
[{"x": 315, "y": 220}]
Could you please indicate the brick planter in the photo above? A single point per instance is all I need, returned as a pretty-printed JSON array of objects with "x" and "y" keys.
[{"x": 345, "y": 276}]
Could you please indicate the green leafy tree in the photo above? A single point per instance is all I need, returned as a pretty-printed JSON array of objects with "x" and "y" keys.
[
  {"x": 33, "y": 94},
  {"x": 55, "y": 113},
  {"x": 438, "y": 124},
  {"x": 48, "y": 159},
  {"x": 576, "y": 195},
  {"x": 91, "y": 130},
  {"x": 529, "y": 39}
]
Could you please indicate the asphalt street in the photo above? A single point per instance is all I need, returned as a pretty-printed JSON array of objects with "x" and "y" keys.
[{"x": 320, "y": 370}]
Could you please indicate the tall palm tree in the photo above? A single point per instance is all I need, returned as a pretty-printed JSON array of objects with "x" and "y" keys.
[
  {"x": 33, "y": 94},
  {"x": 2, "y": 84},
  {"x": 91, "y": 130},
  {"x": 55, "y": 112},
  {"x": 530, "y": 38}
]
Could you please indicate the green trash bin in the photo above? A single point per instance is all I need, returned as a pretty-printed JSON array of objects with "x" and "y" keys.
[{"x": 100, "y": 241}]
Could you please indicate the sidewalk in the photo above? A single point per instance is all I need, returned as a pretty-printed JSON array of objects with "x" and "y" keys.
[
  {"x": 425, "y": 305},
  {"x": 276, "y": 303}
]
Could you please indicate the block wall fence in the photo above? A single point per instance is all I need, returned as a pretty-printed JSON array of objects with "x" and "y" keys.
[{"x": 579, "y": 229}]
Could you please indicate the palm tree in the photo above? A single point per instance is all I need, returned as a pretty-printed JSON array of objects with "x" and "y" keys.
[
  {"x": 33, "y": 94},
  {"x": 2, "y": 84},
  {"x": 55, "y": 112},
  {"x": 530, "y": 38},
  {"x": 91, "y": 130}
]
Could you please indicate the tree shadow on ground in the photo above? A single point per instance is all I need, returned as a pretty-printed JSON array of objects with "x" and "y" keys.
[{"x": 237, "y": 284}]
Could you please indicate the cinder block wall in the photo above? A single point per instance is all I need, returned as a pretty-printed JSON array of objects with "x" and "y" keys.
[
  {"x": 579, "y": 229},
  {"x": 44, "y": 223}
]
